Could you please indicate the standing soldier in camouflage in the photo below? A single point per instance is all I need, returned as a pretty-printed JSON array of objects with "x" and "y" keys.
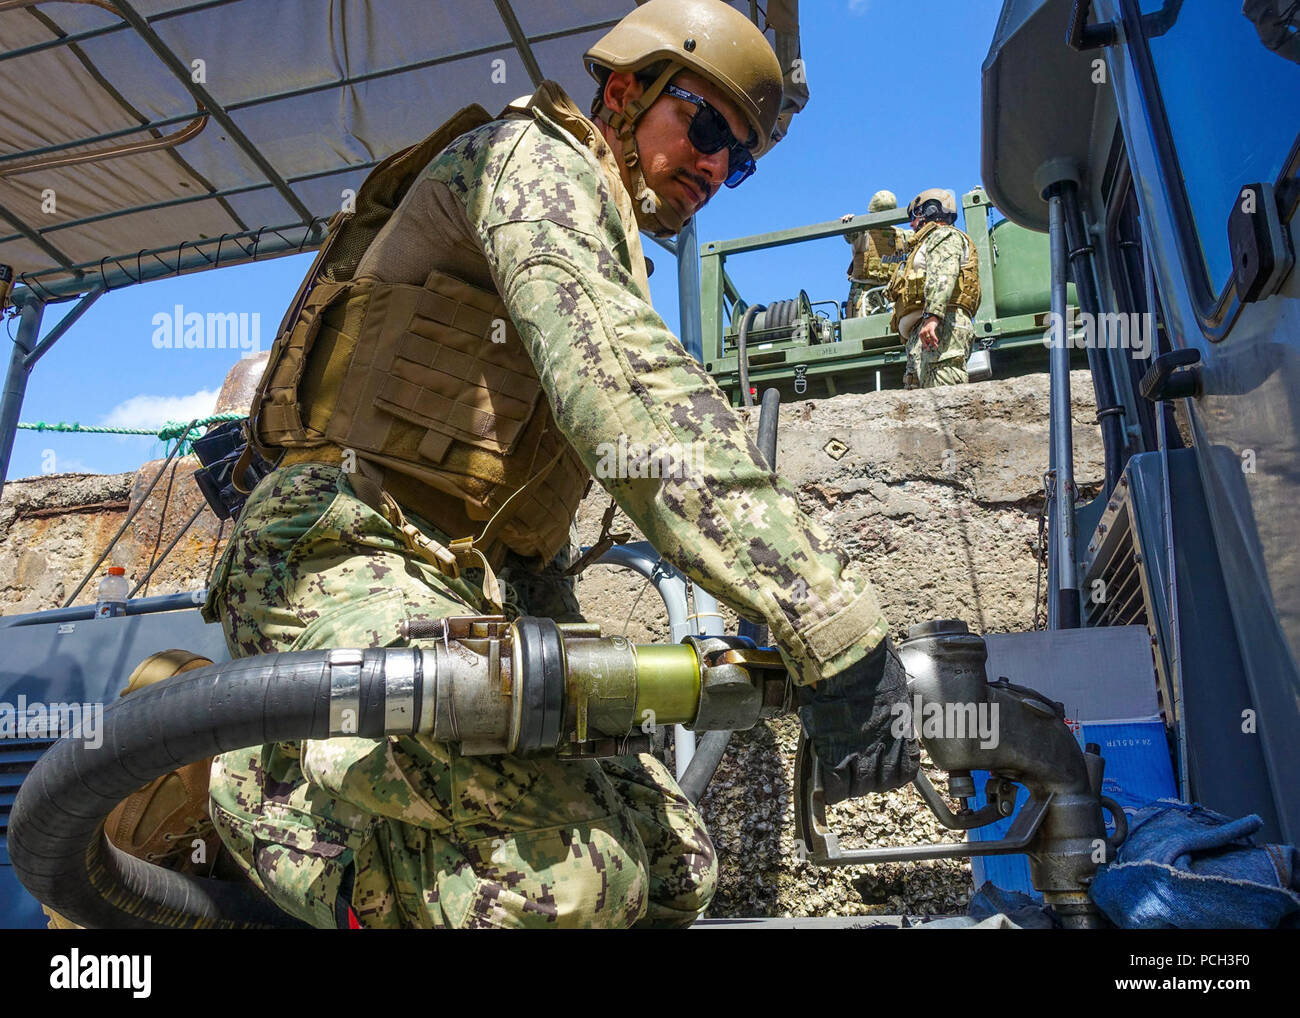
[
  {"x": 937, "y": 291},
  {"x": 876, "y": 254},
  {"x": 468, "y": 344}
]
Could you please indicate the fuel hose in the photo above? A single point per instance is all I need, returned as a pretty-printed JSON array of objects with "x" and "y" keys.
[
  {"x": 526, "y": 687},
  {"x": 55, "y": 835},
  {"x": 742, "y": 350}
]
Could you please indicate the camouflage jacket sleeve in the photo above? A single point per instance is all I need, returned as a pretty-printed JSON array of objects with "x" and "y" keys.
[
  {"x": 944, "y": 252},
  {"x": 646, "y": 419}
]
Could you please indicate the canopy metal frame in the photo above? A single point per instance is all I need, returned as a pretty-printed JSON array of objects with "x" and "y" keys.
[
  {"x": 90, "y": 280},
  {"x": 85, "y": 281},
  {"x": 303, "y": 234}
]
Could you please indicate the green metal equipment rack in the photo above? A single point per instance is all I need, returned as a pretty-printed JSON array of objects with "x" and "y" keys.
[{"x": 809, "y": 354}]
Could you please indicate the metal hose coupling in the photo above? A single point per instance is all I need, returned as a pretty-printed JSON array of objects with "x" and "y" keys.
[{"x": 537, "y": 686}]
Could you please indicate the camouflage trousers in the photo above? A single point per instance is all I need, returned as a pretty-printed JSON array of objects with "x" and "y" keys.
[
  {"x": 946, "y": 365},
  {"x": 428, "y": 837},
  {"x": 949, "y": 373},
  {"x": 910, "y": 378}
]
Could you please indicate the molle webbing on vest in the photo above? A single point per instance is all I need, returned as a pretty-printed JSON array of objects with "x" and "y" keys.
[
  {"x": 907, "y": 288},
  {"x": 275, "y": 411},
  {"x": 877, "y": 257},
  {"x": 429, "y": 386}
]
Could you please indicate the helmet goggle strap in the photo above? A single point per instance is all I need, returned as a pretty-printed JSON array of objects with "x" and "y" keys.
[
  {"x": 623, "y": 122},
  {"x": 653, "y": 213}
]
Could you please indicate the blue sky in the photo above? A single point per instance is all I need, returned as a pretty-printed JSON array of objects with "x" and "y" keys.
[{"x": 883, "y": 114}]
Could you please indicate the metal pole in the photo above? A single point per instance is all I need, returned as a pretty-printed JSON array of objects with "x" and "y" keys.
[
  {"x": 520, "y": 40},
  {"x": 1175, "y": 633},
  {"x": 1109, "y": 411},
  {"x": 641, "y": 557},
  {"x": 65, "y": 323},
  {"x": 11, "y": 405},
  {"x": 688, "y": 291},
  {"x": 1064, "y": 569},
  {"x": 707, "y": 621}
]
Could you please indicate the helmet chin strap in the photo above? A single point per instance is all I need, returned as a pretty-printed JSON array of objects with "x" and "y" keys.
[{"x": 653, "y": 214}]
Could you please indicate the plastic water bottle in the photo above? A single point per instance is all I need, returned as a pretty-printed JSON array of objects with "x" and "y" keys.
[{"x": 111, "y": 601}]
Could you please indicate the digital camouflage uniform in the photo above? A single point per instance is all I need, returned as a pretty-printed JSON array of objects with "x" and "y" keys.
[
  {"x": 436, "y": 838},
  {"x": 940, "y": 258}
]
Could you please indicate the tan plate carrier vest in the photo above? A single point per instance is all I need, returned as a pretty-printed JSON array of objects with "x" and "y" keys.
[
  {"x": 877, "y": 256},
  {"x": 430, "y": 387},
  {"x": 907, "y": 288}
]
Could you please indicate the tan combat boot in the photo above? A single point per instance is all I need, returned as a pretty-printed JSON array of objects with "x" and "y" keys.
[{"x": 165, "y": 822}]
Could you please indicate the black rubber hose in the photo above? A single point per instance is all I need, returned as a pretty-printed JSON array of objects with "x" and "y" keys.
[
  {"x": 742, "y": 351},
  {"x": 713, "y": 745},
  {"x": 709, "y": 751},
  {"x": 1081, "y": 269},
  {"x": 55, "y": 839},
  {"x": 768, "y": 417}
]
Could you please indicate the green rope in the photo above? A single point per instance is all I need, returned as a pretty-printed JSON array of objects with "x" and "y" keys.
[
  {"x": 177, "y": 429},
  {"x": 61, "y": 426},
  {"x": 172, "y": 430}
]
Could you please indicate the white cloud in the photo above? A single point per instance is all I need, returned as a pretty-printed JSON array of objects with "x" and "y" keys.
[
  {"x": 72, "y": 466},
  {"x": 859, "y": 6},
  {"x": 155, "y": 411}
]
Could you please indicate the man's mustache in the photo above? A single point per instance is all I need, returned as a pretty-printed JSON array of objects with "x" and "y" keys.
[{"x": 701, "y": 184}]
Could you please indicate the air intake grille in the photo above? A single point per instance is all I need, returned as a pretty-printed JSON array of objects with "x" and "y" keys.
[
  {"x": 1117, "y": 585},
  {"x": 1113, "y": 595},
  {"x": 17, "y": 756}
]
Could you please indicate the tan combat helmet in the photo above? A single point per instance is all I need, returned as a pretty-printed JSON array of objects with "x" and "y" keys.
[
  {"x": 882, "y": 201},
  {"x": 943, "y": 199},
  {"x": 709, "y": 37}
]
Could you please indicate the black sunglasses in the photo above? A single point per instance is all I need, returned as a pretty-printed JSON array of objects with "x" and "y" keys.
[{"x": 709, "y": 133}]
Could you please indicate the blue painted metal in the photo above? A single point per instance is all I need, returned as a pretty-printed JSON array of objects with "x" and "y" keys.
[
  {"x": 1041, "y": 103},
  {"x": 58, "y": 660},
  {"x": 85, "y": 612}
]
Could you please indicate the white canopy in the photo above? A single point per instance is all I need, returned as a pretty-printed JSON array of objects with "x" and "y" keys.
[{"x": 143, "y": 138}]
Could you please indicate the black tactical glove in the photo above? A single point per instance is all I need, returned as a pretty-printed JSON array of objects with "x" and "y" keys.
[{"x": 848, "y": 719}]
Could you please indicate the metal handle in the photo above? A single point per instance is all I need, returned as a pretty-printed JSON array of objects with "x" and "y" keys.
[
  {"x": 823, "y": 846},
  {"x": 1114, "y": 841},
  {"x": 1163, "y": 380}
]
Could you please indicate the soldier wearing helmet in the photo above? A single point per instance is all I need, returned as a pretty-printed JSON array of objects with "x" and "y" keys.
[
  {"x": 876, "y": 254},
  {"x": 445, "y": 384},
  {"x": 936, "y": 292}
]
